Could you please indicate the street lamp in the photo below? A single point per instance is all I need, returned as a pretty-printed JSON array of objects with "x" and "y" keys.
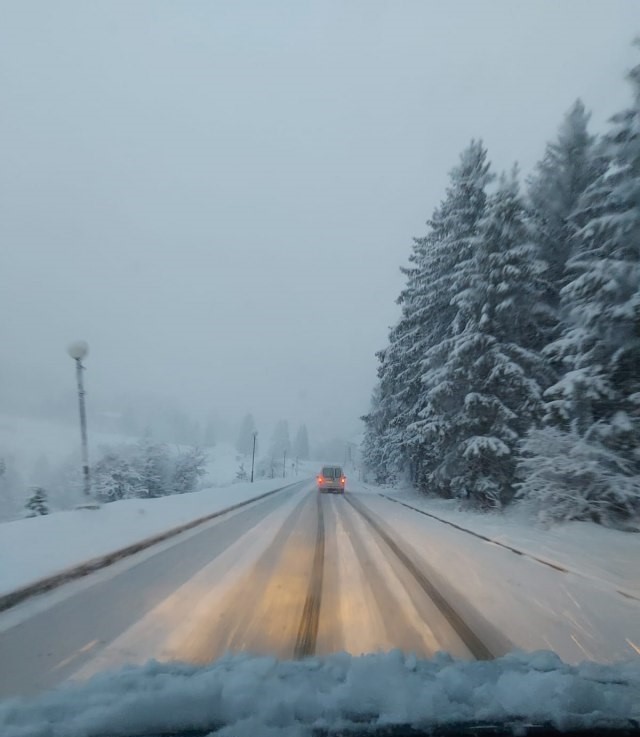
[
  {"x": 253, "y": 454},
  {"x": 78, "y": 351}
]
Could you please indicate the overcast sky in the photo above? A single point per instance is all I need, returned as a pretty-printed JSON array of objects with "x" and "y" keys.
[{"x": 217, "y": 195}]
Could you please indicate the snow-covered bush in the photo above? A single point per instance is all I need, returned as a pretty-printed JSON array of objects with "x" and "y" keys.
[
  {"x": 241, "y": 473},
  {"x": 569, "y": 477},
  {"x": 146, "y": 470},
  {"x": 116, "y": 476}
]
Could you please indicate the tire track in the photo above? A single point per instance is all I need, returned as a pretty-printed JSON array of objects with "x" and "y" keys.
[
  {"x": 308, "y": 630},
  {"x": 239, "y": 608},
  {"x": 472, "y": 641}
]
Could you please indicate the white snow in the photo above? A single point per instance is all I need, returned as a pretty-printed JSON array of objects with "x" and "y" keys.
[
  {"x": 249, "y": 696},
  {"x": 591, "y": 550},
  {"x": 579, "y": 614},
  {"x": 37, "y": 547},
  {"x": 36, "y": 447}
]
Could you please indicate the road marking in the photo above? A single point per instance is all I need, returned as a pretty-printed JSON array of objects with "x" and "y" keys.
[{"x": 77, "y": 654}]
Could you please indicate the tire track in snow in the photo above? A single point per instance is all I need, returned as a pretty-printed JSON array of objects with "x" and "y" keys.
[
  {"x": 475, "y": 645},
  {"x": 308, "y": 630}
]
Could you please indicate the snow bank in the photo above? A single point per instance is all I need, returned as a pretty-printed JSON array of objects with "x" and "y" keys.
[
  {"x": 37, "y": 547},
  {"x": 250, "y": 696}
]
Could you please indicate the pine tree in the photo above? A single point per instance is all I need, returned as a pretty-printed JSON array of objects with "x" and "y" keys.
[
  {"x": 570, "y": 165},
  {"x": 394, "y": 438},
  {"x": 37, "y": 503},
  {"x": 301, "y": 444},
  {"x": 569, "y": 477},
  {"x": 433, "y": 286},
  {"x": 486, "y": 395},
  {"x": 372, "y": 444},
  {"x": 10, "y": 486},
  {"x": 244, "y": 444},
  {"x": 188, "y": 469},
  {"x": 280, "y": 442},
  {"x": 598, "y": 397},
  {"x": 154, "y": 469},
  {"x": 241, "y": 474}
]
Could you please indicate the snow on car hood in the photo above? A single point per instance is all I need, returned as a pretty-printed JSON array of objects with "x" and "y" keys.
[{"x": 245, "y": 695}]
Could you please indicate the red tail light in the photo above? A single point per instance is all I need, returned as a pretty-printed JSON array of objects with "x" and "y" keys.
[
  {"x": 342, "y": 480},
  {"x": 320, "y": 479}
]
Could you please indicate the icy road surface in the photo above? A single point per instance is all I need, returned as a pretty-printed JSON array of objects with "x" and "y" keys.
[{"x": 299, "y": 574}]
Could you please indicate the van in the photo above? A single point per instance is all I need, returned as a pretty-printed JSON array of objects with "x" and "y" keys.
[{"x": 331, "y": 478}]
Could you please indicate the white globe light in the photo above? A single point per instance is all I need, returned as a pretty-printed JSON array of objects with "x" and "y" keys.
[{"x": 78, "y": 350}]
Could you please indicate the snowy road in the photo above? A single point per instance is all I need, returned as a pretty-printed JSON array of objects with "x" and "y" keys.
[{"x": 297, "y": 574}]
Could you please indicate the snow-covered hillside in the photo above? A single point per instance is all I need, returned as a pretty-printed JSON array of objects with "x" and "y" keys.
[{"x": 38, "y": 452}]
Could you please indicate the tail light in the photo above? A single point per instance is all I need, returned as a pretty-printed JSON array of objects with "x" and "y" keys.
[
  {"x": 343, "y": 480},
  {"x": 320, "y": 479}
]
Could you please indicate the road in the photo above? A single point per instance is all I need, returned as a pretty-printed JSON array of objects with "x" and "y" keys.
[{"x": 297, "y": 574}]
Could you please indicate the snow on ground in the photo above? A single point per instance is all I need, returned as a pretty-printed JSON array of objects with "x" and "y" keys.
[
  {"x": 586, "y": 548},
  {"x": 504, "y": 595},
  {"x": 36, "y": 547},
  {"x": 247, "y": 696},
  {"x": 37, "y": 449}
]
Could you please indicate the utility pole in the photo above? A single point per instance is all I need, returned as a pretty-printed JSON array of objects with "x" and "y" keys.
[
  {"x": 253, "y": 454},
  {"x": 284, "y": 464},
  {"x": 78, "y": 351}
]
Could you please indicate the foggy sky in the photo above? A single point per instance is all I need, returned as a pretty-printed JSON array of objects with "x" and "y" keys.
[{"x": 217, "y": 195}]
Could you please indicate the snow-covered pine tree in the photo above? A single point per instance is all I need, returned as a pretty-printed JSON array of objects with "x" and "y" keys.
[
  {"x": 154, "y": 469},
  {"x": 599, "y": 395},
  {"x": 569, "y": 477},
  {"x": 10, "y": 485},
  {"x": 570, "y": 165},
  {"x": 188, "y": 469},
  {"x": 37, "y": 502},
  {"x": 394, "y": 440},
  {"x": 244, "y": 444},
  {"x": 436, "y": 283},
  {"x": 374, "y": 423},
  {"x": 301, "y": 444},
  {"x": 280, "y": 442},
  {"x": 486, "y": 394},
  {"x": 241, "y": 473}
]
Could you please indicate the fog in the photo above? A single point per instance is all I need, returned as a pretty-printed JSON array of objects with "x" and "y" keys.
[{"x": 217, "y": 196}]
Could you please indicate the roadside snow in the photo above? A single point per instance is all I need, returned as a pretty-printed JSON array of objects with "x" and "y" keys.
[
  {"x": 591, "y": 550},
  {"x": 37, "y": 547},
  {"x": 504, "y": 595},
  {"x": 247, "y": 696}
]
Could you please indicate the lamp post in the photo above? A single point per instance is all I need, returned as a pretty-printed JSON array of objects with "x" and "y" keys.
[
  {"x": 78, "y": 351},
  {"x": 253, "y": 454}
]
